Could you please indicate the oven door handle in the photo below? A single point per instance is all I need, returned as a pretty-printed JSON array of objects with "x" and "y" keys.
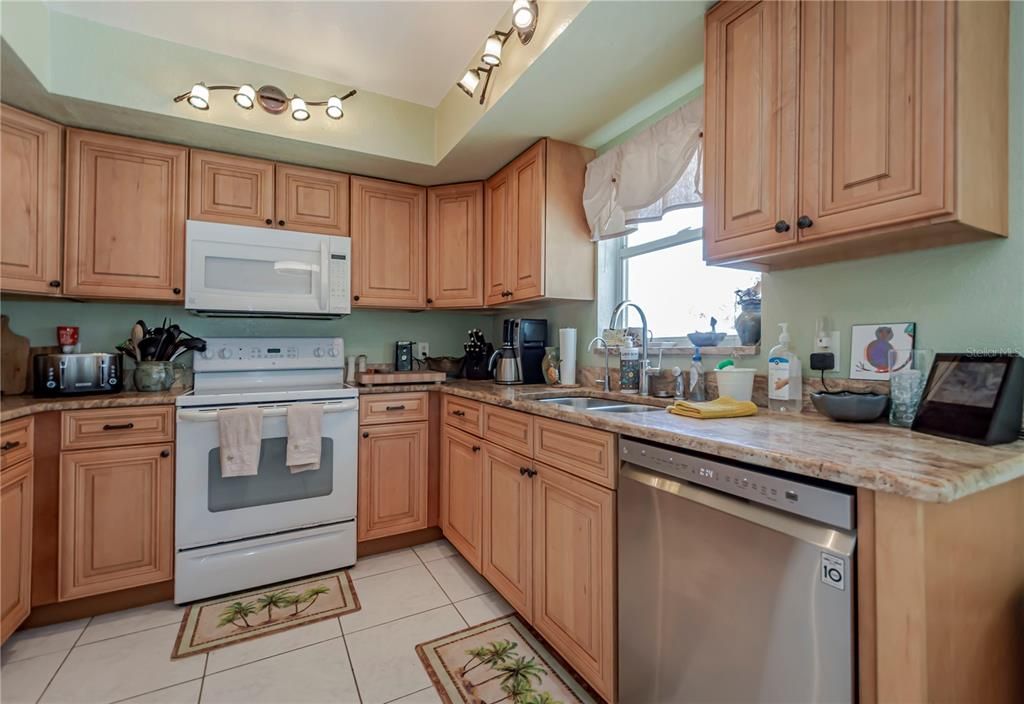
[{"x": 211, "y": 415}]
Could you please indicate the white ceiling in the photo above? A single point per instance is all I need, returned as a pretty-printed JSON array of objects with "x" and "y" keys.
[{"x": 411, "y": 50}]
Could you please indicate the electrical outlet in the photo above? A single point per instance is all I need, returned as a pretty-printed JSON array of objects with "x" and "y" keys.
[
  {"x": 828, "y": 342},
  {"x": 422, "y": 350}
]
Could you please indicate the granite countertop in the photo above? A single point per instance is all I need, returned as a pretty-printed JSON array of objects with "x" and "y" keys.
[
  {"x": 875, "y": 456},
  {"x": 12, "y": 407}
]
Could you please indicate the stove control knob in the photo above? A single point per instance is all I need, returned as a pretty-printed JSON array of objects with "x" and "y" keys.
[
  {"x": 318, "y": 352},
  {"x": 224, "y": 353},
  {"x": 207, "y": 354},
  {"x": 332, "y": 351}
]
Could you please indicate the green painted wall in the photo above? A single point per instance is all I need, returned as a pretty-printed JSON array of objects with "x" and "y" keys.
[
  {"x": 373, "y": 333},
  {"x": 964, "y": 297}
]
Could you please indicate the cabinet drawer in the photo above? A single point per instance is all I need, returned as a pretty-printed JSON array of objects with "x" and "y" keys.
[
  {"x": 587, "y": 453},
  {"x": 393, "y": 408},
  {"x": 510, "y": 429},
  {"x": 463, "y": 413},
  {"x": 114, "y": 427},
  {"x": 15, "y": 441}
]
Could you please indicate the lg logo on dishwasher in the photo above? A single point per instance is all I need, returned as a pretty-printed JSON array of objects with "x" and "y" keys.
[{"x": 833, "y": 571}]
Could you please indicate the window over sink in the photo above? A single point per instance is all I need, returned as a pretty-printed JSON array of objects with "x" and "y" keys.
[{"x": 660, "y": 267}]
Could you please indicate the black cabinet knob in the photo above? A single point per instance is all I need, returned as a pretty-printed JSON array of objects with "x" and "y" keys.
[
  {"x": 280, "y": 222},
  {"x": 55, "y": 283},
  {"x": 366, "y": 435},
  {"x": 165, "y": 453},
  {"x": 269, "y": 221},
  {"x": 803, "y": 222},
  {"x": 429, "y": 301},
  {"x": 355, "y": 298},
  {"x": 523, "y": 471},
  {"x": 176, "y": 291},
  {"x": 782, "y": 226},
  {"x": 476, "y": 448}
]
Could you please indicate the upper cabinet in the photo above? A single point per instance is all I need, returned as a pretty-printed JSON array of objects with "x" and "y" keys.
[
  {"x": 881, "y": 102},
  {"x": 534, "y": 214},
  {"x": 389, "y": 244},
  {"x": 30, "y": 203},
  {"x": 455, "y": 246},
  {"x": 243, "y": 191},
  {"x": 125, "y": 218}
]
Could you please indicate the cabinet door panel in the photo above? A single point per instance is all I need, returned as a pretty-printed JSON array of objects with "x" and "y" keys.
[
  {"x": 311, "y": 200},
  {"x": 750, "y": 126},
  {"x": 232, "y": 189},
  {"x": 30, "y": 203},
  {"x": 15, "y": 547},
  {"x": 392, "y": 480},
  {"x": 125, "y": 219},
  {"x": 877, "y": 97},
  {"x": 388, "y": 244},
  {"x": 527, "y": 175},
  {"x": 116, "y": 519},
  {"x": 497, "y": 233},
  {"x": 574, "y": 573},
  {"x": 455, "y": 246},
  {"x": 508, "y": 527},
  {"x": 462, "y": 493}
]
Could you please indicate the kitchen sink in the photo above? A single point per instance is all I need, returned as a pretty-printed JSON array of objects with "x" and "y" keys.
[
  {"x": 629, "y": 408},
  {"x": 600, "y": 404}
]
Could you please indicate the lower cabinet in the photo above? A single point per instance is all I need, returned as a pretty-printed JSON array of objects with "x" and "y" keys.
[
  {"x": 15, "y": 546},
  {"x": 508, "y": 526},
  {"x": 462, "y": 493},
  {"x": 116, "y": 519},
  {"x": 574, "y": 573},
  {"x": 393, "y": 477}
]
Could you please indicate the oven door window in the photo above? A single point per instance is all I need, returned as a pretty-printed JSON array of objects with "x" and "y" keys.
[{"x": 273, "y": 483}]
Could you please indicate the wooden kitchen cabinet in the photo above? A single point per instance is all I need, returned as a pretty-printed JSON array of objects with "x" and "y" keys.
[
  {"x": 30, "y": 203},
  {"x": 574, "y": 573},
  {"x": 15, "y": 546},
  {"x": 311, "y": 200},
  {"x": 116, "y": 519},
  {"x": 392, "y": 479},
  {"x": 388, "y": 244},
  {"x": 533, "y": 215},
  {"x": 462, "y": 493},
  {"x": 880, "y": 100},
  {"x": 125, "y": 218},
  {"x": 455, "y": 246},
  {"x": 508, "y": 526},
  {"x": 231, "y": 189}
]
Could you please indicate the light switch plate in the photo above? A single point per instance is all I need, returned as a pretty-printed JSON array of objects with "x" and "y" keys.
[
  {"x": 828, "y": 342},
  {"x": 422, "y": 350}
]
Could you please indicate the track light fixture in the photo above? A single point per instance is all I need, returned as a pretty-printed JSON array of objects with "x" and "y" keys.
[
  {"x": 271, "y": 98},
  {"x": 524, "y": 24}
]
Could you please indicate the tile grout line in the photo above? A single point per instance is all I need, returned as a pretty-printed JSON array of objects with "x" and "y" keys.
[
  {"x": 202, "y": 681},
  {"x": 392, "y": 701},
  {"x": 267, "y": 657},
  {"x": 64, "y": 660},
  {"x": 351, "y": 667},
  {"x": 122, "y": 635},
  {"x": 394, "y": 620},
  {"x": 159, "y": 689}
]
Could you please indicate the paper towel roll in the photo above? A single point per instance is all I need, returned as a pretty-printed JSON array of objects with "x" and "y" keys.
[{"x": 567, "y": 353}]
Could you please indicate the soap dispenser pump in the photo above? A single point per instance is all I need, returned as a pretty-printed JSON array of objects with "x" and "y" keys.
[{"x": 785, "y": 378}]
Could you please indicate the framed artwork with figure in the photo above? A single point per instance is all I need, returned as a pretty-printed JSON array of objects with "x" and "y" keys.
[{"x": 870, "y": 346}]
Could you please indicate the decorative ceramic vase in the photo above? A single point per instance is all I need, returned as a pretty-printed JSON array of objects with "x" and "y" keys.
[
  {"x": 748, "y": 322},
  {"x": 549, "y": 365},
  {"x": 153, "y": 376}
]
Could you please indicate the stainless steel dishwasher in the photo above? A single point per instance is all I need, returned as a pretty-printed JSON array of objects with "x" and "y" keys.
[{"x": 734, "y": 585}]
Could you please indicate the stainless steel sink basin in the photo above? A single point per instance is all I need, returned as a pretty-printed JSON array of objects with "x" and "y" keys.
[
  {"x": 582, "y": 404},
  {"x": 629, "y": 408}
]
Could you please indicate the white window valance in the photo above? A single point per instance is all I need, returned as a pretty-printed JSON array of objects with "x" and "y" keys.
[{"x": 656, "y": 170}]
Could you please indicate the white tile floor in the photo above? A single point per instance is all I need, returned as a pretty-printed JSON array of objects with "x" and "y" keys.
[{"x": 369, "y": 657}]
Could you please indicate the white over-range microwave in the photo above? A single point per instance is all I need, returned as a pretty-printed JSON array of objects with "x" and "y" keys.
[{"x": 233, "y": 270}]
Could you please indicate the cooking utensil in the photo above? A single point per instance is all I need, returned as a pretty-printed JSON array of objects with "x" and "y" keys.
[{"x": 194, "y": 344}]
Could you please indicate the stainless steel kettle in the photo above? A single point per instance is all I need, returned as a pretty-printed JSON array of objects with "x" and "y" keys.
[{"x": 505, "y": 365}]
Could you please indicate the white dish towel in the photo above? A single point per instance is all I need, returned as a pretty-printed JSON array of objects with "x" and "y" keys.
[
  {"x": 304, "y": 421},
  {"x": 241, "y": 432}
]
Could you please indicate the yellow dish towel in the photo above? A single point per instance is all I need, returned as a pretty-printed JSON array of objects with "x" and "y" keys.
[{"x": 723, "y": 407}]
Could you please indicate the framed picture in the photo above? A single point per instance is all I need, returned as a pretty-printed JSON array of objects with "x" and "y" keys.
[{"x": 870, "y": 346}]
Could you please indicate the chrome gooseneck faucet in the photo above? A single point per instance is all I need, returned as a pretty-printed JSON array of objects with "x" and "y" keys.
[
  {"x": 607, "y": 376},
  {"x": 645, "y": 363}
]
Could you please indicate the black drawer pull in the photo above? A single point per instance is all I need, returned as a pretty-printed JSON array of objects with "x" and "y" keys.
[
  {"x": 119, "y": 426},
  {"x": 395, "y": 408},
  {"x": 10, "y": 445},
  {"x": 280, "y": 223},
  {"x": 366, "y": 435},
  {"x": 165, "y": 453},
  {"x": 476, "y": 448},
  {"x": 269, "y": 221},
  {"x": 523, "y": 471},
  {"x": 55, "y": 283},
  {"x": 458, "y": 413}
]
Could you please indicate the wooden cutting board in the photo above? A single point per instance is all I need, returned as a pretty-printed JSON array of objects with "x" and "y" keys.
[
  {"x": 372, "y": 378},
  {"x": 14, "y": 360}
]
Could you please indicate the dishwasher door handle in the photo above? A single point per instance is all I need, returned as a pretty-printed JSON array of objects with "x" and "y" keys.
[{"x": 833, "y": 539}]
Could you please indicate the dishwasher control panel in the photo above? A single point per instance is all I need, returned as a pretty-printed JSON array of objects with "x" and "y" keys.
[{"x": 830, "y": 506}]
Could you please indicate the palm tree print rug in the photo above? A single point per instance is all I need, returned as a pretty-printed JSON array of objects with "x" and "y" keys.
[
  {"x": 230, "y": 619},
  {"x": 499, "y": 662}
]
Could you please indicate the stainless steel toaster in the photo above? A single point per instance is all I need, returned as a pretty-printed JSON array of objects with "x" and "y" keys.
[{"x": 64, "y": 374}]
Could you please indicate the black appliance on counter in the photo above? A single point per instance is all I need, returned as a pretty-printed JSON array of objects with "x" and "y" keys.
[
  {"x": 528, "y": 336},
  {"x": 403, "y": 356},
  {"x": 478, "y": 354}
]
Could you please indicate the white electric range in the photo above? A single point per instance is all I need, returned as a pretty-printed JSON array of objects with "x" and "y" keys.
[{"x": 234, "y": 533}]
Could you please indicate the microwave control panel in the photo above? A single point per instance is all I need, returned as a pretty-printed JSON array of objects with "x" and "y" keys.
[{"x": 254, "y": 353}]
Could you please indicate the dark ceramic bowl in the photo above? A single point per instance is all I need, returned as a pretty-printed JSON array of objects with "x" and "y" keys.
[
  {"x": 706, "y": 339},
  {"x": 850, "y": 407}
]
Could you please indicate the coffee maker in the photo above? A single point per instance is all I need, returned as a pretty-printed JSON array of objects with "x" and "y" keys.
[{"x": 526, "y": 337}]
